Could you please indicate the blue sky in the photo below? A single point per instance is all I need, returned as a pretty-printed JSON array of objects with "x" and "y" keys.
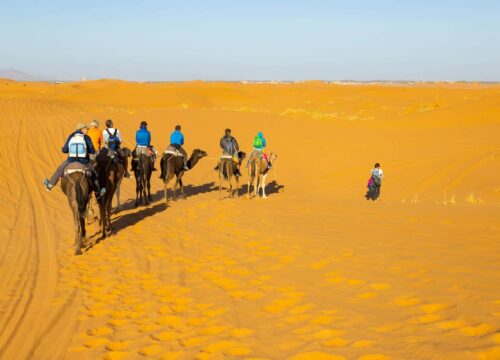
[{"x": 234, "y": 40}]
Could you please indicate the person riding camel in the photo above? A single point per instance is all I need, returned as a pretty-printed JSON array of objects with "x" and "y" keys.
[
  {"x": 113, "y": 140},
  {"x": 230, "y": 148},
  {"x": 95, "y": 134},
  {"x": 259, "y": 143},
  {"x": 78, "y": 146},
  {"x": 176, "y": 141},
  {"x": 143, "y": 142}
]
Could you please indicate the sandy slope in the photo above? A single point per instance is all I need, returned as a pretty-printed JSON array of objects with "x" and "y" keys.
[{"x": 313, "y": 270}]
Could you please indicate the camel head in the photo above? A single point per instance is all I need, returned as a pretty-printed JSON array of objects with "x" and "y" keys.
[
  {"x": 195, "y": 156},
  {"x": 199, "y": 153},
  {"x": 272, "y": 157}
]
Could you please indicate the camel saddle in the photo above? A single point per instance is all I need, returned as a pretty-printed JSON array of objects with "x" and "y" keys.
[
  {"x": 77, "y": 167},
  {"x": 173, "y": 151}
]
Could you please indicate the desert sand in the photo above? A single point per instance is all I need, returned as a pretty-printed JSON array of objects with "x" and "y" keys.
[{"x": 313, "y": 272}]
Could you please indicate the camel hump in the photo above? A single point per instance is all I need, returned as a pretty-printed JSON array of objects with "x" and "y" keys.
[
  {"x": 173, "y": 151},
  {"x": 76, "y": 166}
]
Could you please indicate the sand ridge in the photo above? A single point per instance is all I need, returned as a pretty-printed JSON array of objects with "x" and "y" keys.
[{"x": 315, "y": 271}]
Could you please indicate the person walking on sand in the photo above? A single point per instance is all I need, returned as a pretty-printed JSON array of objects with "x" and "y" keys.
[
  {"x": 176, "y": 141},
  {"x": 376, "y": 181},
  {"x": 78, "y": 146},
  {"x": 113, "y": 139}
]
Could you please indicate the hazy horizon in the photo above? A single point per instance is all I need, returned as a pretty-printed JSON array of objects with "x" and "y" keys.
[{"x": 277, "y": 40}]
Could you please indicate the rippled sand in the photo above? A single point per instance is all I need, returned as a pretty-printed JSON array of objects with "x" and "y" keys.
[{"x": 313, "y": 272}]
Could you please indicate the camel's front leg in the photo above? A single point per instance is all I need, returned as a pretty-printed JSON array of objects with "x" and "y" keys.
[
  {"x": 256, "y": 186},
  {"x": 249, "y": 181},
  {"x": 118, "y": 204},
  {"x": 175, "y": 188},
  {"x": 263, "y": 186},
  {"x": 181, "y": 186},
  {"x": 165, "y": 189}
]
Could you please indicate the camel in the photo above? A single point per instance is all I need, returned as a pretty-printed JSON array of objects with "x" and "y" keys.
[
  {"x": 172, "y": 165},
  {"x": 110, "y": 175},
  {"x": 76, "y": 187},
  {"x": 257, "y": 174},
  {"x": 228, "y": 169},
  {"x": 143, "y": 168}
]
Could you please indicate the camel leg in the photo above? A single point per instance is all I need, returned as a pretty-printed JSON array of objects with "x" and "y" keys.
[
  {"x": 220, "y": 184},
  {"x": 263, "y": 186},
  {"x": 165, "y": 190},
  {"x": 256, "y": 186},
  {"x": 237, "y": 187},
  {"x": 181, "y": 186},
  {"x": 103, "y": 220},
  {"x": 109, "y": 229},
  {"x": 249, "y": 182},
  {"x": 78, "y": 239},
  {"x": 118, "y": 204},
  {"x": 150, "y": 198},
  {"x": 175, "y": 188},
  {"x": 137, "y": 192},
  {"x": 144, "y": 193}
]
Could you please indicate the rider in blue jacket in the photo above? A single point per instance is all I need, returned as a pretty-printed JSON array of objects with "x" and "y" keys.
[
  {"x": 143, "y": 142},
  {"x": 176, "y": 141},
  {"x": 143, "y": 136}
]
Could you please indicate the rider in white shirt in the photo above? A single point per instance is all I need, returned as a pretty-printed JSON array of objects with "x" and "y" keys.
[{"x": 112, "y": 139}]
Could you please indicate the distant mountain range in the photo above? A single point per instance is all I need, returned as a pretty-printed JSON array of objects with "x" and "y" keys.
[{"x": 17, "y": 75}]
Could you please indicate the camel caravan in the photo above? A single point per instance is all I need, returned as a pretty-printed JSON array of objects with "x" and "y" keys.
[{"x": 96, "y": 164}]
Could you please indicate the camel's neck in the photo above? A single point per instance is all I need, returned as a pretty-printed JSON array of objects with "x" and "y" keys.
[{"x": 192, "y": 161}]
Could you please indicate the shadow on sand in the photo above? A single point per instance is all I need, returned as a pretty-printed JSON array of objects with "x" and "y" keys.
[
  {"x": 271, "y": 188},
  {"x": 189, "y": 190}
]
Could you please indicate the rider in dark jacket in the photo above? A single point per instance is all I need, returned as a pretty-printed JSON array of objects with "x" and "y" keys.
[{"x": 229, "y": 147}]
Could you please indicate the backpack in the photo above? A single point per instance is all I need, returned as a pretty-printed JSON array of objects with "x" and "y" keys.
[
  {"x": 77, "y": 146},
  {"x": 113, "y": 141},
  {"x": 257, "y": 142},
  {"x": 376, "y": 180}
]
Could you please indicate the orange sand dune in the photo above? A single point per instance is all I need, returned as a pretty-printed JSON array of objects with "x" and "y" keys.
[{"x": 313, "y": 272}]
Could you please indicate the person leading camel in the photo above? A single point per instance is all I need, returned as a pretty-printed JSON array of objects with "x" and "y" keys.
[
  {"x": 176, "y": 141},
  {"x": 229, "y": 147},
  {"x": 259, "y": 143},
  {"x": 78, "y": 146},
  {"x": 143, "y": 142},
  {"x": 113, "y": 140}
]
